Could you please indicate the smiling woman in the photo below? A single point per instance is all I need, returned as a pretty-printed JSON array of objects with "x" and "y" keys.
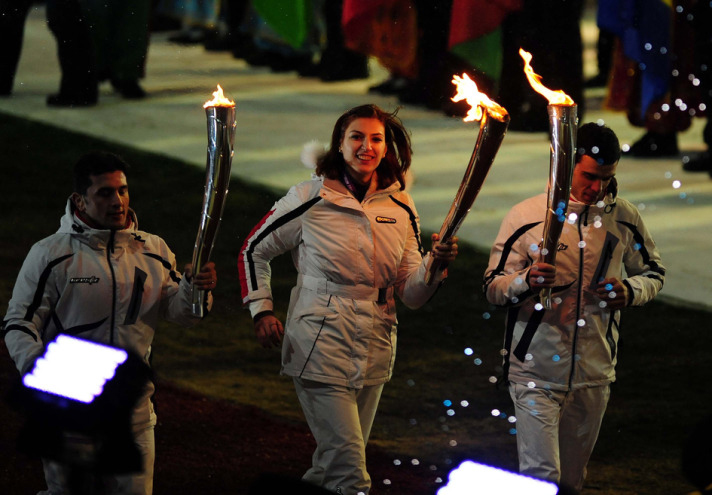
[
  {"x": 355, "y": 238},
  {"x": 363, "y": 148}
]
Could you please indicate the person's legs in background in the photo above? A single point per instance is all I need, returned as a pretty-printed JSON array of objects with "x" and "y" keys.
[
  {"x": 702, "y": 162},
  {"x": 78, "y": 86},
  {"x": 13, "y": 14}
]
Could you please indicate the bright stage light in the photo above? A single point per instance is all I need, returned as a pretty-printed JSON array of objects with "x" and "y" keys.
[
  {"x": 75, "y": 369},
  {"x": 471, "y": 478}
]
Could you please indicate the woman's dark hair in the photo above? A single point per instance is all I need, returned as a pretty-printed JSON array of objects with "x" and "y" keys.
[
  {"x": 394, "y": 164},
  {"x": 95, "y": 163},
  {"x": 599, "y": 142}
]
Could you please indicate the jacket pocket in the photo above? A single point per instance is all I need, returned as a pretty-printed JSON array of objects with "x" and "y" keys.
[
  {"x": 310, "y": 342},
  {"x": 136, "y": 297}
]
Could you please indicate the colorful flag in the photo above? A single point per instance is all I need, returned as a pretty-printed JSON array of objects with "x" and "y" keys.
[
  {"x": 644, "y": 30},
  {"x": 291, "y": 20},
  {"x": 385, "y": 29},
  {"x": 476, "y": 35}
]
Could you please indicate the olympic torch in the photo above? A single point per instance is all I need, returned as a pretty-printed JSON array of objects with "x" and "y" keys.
[
  {"x": 494, "y": 121},
  {"x": 563, "y": 122},
  {"x": 220, "y": 113}
]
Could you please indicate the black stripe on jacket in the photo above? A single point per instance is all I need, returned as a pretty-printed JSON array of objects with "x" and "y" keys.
[
  {"x": 37, "y": 299},
  {"x": 413, "y": 223},
  {"x": 295, "y": 213},
  {"x": 506, "y": 250}
]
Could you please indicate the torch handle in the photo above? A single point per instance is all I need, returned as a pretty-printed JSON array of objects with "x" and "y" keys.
[
  {"x": 221, "y": 139},
  {"x": 562, "y": 124},
  {"x": 489, "y": 139},
  {"x": 198, "y": 301},
  {"x": 545, "y": 298}
]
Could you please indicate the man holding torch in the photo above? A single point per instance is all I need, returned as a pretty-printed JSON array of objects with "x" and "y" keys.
[
  {"x": 559, "y": 362},
  {"x": 101, "y": 279}
]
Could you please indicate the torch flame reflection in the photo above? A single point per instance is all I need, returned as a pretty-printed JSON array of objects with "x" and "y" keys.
[
  {"x": 219, "y": 100},
  {"x": 467, "y": 90},
  {"x": 554, "y": 97}
]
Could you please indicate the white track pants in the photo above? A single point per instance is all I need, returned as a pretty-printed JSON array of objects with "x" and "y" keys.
[
  {"x": 340, "y": 419},
  {"x": 556, "y": 431}
]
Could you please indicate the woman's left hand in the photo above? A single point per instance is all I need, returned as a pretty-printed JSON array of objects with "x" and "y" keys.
[{"x": 447, "y": 251}]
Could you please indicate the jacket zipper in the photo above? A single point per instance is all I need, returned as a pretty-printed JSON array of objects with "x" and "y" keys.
[
  {"x": 109, "y": 250},
  {"x": 584, "y": 214}
]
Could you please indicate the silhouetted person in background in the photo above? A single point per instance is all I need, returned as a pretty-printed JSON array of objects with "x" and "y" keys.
[
  {"x": 78, "y": 85},
  {"x": 120, "y": 35},
  {"x": 550, "y": 31},
  {"x": 13, "y": 14}
]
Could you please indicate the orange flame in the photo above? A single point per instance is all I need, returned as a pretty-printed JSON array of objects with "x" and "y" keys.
[
  {"x": 467, "y": 90},
  {"x": 219, "y": 100},
  {"x": 554, "y": 97}
]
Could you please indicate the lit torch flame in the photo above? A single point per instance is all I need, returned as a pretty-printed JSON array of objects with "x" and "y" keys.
[
  {"x": 467, "y": 90},
  {"x": 219, "y": 100},
  {"x": 554, "y": 97},
  {"x": 563, "y": 120},
  {"x": 492, "y": 131}
]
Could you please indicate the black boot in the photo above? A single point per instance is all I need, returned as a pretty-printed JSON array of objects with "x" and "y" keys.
[
  {"x": 654, "y": 145},
  {"x": 698, "y": 163}
]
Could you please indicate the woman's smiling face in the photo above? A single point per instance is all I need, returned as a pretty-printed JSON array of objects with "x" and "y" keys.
[{"x": 363, "y": 147}]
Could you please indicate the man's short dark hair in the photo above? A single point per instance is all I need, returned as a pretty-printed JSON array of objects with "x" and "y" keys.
[
  {"x": 95, "y": 163},
  {"x": 599, "y": 142}
]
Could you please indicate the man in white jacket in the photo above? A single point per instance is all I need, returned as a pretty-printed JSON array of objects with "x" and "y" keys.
[
  {"x": 559, "y": 363},
  {"x": 101, "y": 279}
]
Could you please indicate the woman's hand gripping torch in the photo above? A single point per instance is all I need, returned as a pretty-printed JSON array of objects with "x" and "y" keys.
[
  {"x": 563, "y": 122},
  {"x": 220, "y": 113},
  {"x": 494, "y": 121}
]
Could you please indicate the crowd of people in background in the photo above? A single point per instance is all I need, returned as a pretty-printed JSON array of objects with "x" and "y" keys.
[{"x": 653, "y": 61}]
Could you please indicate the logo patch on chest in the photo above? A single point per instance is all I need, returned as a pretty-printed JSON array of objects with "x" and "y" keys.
[
  {"x": 381, "y": 219},
  {"x": 84, "y": 280}
]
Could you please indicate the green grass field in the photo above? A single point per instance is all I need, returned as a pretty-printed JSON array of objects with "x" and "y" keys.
[{"x": 663, "y": 374}]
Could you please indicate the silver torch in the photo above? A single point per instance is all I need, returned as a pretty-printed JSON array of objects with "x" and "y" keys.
[
  {"x": 563, "y": 123},
  {"x": 494, "y": 121},
  {"x": 220, "y": 113}
]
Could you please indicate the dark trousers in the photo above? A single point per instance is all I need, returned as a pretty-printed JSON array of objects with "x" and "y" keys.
[
  {"x": 66, "y": 21},
  {"x": 74, "y": 49},
  {"x": 13, "y": 14}
]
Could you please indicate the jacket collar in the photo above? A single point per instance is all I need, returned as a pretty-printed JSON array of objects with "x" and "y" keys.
[
  {"x": 96, "y": 238},
  {"x": 335, "y": 191}
]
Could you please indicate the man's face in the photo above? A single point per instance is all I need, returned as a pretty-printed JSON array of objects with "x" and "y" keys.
[
  {"x": 590, "y": 180},
  {"x": 106, "y": 203}
]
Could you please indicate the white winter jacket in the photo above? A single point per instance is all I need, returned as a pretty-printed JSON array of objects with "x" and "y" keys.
[
  {"x": 101, "y": 285},
  {"x": 351, "y": 257},
  {"x": 574, "y": 344}
]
